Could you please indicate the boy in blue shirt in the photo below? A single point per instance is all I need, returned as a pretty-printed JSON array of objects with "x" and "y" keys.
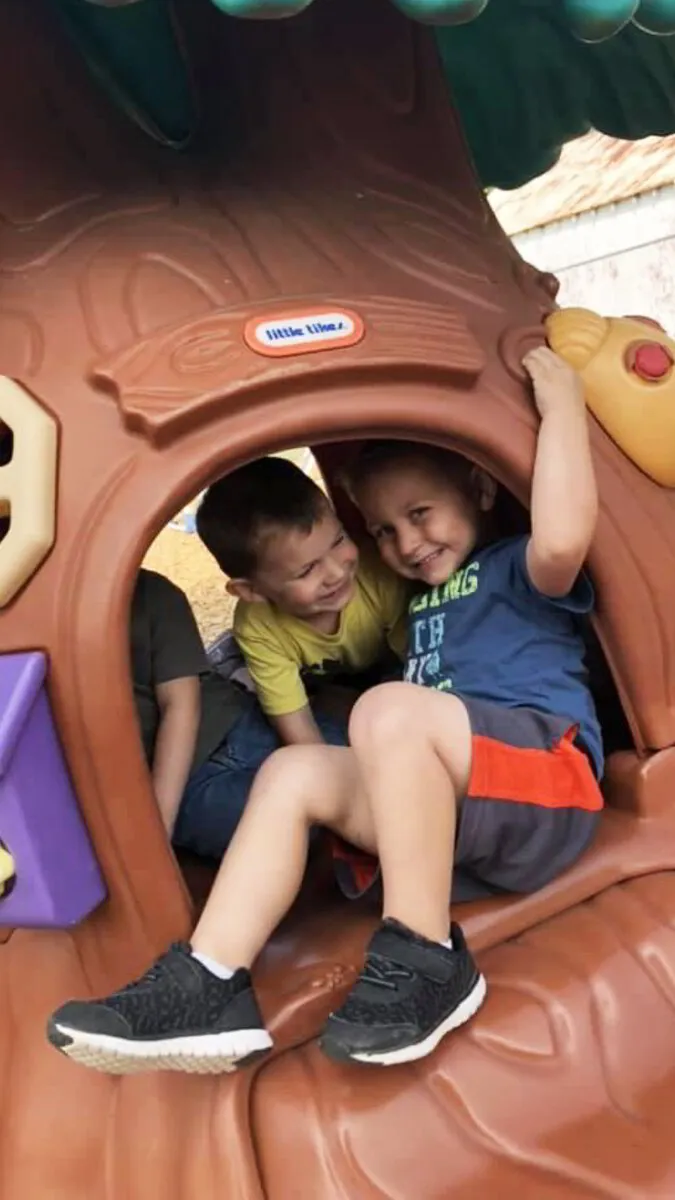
[{"x": 487, "y": 758}]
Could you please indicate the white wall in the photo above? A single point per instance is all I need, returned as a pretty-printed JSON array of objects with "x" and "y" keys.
[{"x": 618, "y": 260}]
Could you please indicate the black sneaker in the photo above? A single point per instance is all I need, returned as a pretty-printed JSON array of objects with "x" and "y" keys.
[
  {"x": 410, "y": 993},
  {"x": 178, "y": 1017}
]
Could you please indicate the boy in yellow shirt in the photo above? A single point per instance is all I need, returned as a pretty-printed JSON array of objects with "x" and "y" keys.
[{"x": 311, "y": 614}]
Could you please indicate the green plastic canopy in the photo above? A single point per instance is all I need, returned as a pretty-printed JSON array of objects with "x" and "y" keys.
[{"x": 525, "y": 75}]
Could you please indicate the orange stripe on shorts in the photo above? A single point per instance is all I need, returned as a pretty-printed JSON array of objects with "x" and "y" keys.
[
  {"x": 362, "y": 865},
  {"x": 561, "y": 777}
]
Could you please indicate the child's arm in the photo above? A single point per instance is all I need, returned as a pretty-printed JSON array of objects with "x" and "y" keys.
[
  {"x": 564, "y": 493},
  {"x": 179, "y": 703},
  {"x": 297, "y": 728},
  {"x": 168, "y": 658}
]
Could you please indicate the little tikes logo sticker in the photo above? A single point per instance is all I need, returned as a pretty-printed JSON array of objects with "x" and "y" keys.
[{"x": 304, "y": 332}]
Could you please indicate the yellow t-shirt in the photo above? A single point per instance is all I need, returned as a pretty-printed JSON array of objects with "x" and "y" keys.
[{"x": 279, "y": 648}]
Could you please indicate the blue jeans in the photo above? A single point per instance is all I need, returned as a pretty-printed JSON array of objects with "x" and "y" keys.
[{"x": 216, "y": 795}]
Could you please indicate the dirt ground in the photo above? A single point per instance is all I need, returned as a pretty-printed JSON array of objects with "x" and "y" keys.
[{"x": 184, "y": 560}]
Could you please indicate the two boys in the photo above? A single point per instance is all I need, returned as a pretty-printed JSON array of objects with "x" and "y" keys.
[
  {"x": 311, "y": 618},
  {"x": 489, "y": 759}
]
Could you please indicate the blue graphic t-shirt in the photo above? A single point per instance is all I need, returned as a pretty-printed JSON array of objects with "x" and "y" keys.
[{"x": 489, "y": 634}]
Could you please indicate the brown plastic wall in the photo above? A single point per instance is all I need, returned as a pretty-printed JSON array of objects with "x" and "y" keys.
[{"x": 126, "y": 280}]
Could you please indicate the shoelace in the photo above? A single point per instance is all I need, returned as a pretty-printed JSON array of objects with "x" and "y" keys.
[
  {"x": 383, "y": 973},
  {"x": 152, "y": 975}
]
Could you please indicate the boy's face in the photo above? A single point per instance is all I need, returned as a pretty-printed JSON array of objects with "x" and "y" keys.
[
  {"x": 423, "y": 525},
  {"x": 307, "y": 575}
]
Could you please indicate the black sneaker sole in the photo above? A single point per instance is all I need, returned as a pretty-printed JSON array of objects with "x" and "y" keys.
[
  {"x": 334, "y": 1048},
  {"x": 201, "y": 1054}
]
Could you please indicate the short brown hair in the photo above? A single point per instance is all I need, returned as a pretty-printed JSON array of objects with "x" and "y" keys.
[
  {"x": 238, "y": 509},
  {"x": 376, "y": 456}
]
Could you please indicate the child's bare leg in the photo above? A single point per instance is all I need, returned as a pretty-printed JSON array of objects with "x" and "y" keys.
[
  {"x": 261, "y": 874},
  {"x": 414, "y": 752},
  {"x": 413, "y": 748},
  {"x": 195, "y": 1009}
]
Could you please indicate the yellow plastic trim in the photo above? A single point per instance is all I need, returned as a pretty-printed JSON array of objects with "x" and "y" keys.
[
  {"x": 28, "y": 486},
  {"x": 7, "y": 870},
  {"x": 638, "y": 414}
]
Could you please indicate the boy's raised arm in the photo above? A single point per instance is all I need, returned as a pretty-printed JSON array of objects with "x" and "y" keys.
[{"x": 564, "y": 494}]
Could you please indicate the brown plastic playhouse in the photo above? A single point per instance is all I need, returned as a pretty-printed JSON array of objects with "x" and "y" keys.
[{"x": 163, "y": 319}]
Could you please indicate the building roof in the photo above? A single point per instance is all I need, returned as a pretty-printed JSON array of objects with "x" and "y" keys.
[{"x": 592, "y": 172}]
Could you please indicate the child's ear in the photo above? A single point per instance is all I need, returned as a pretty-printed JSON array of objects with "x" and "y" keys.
[
  {"x": 243, "y": 589},
  {"x": 485, "y": 489}
]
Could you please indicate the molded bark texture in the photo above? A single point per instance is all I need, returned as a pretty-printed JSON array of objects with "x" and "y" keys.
[{"x": 141, "y": 294}]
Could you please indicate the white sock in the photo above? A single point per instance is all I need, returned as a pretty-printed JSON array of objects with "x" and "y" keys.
[
  {"x": 216, "y": 968},
  {"x": 447, "y": 944}
]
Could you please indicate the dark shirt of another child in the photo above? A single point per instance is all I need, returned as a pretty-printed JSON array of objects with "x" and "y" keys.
[{"x": 166, "y": 645}]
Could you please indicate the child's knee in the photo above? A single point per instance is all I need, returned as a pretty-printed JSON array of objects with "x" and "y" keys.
[
  {"x": 382, "y": 713},
  {"x": 394, "y": 714},
  {"x": 295, "y": 778},
  {"x": 288, "y": 765},
  {"x": 288, "y": 776}
]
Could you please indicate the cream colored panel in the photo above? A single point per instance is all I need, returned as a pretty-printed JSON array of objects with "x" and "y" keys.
[{"x": 27, "y": 488}]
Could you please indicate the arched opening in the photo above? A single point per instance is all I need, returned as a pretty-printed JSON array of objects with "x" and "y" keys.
[
  {"x": 143, "y": 496},
  {"x": 324, "y": 467}
]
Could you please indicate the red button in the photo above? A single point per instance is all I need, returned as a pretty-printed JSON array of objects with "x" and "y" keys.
[{"x": 651, "y": 361}]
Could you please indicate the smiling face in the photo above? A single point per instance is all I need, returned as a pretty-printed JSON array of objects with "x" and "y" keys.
[
  {"x": 424, "y": 524},
  {"x": 308, "y": 574}
]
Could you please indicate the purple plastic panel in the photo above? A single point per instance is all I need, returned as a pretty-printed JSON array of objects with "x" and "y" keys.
[{"x": 58, "y": 881}]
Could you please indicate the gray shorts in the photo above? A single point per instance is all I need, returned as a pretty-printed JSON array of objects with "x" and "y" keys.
[{"x": 531, "y": 809}]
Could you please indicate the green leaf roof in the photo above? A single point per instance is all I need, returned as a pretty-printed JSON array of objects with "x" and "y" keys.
[{"x": 525, "y": 75}]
